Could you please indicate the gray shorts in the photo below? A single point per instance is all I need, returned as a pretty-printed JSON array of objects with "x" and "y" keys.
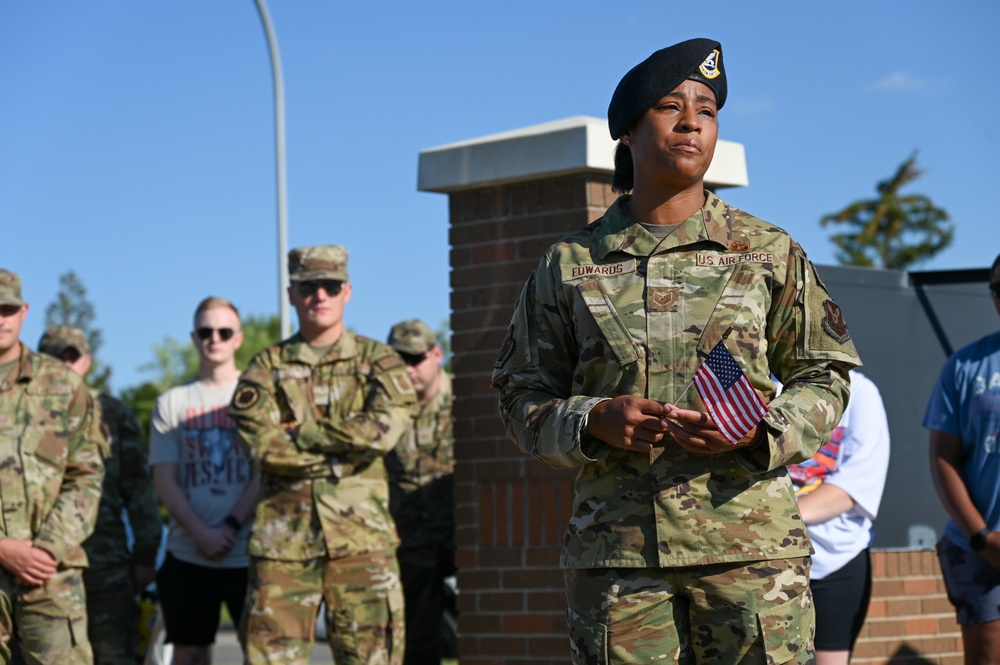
[{"x": 973, "y": 585}]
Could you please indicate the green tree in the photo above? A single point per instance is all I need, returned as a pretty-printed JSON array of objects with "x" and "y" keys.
[
  {"x": 175, "y": 362},
  {"x": 892, "y": 231},
  {"x": 71, "y": 307}
]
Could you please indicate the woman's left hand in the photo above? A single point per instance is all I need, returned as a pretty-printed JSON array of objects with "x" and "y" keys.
[{"x": 697, "y": 433}]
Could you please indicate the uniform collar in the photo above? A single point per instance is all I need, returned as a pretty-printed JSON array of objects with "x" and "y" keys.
[
  {"x": 712, "y": 223},
  {"x": 23, "y": 369},
  {"x": 296, "y": 350}
]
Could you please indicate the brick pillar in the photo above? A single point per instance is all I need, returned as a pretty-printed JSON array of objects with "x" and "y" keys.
[{"x": 512, "y": 510}]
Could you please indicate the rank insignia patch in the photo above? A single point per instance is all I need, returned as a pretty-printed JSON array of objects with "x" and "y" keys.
[
  {"x": 246, "y": 396},
  {"x": 833, "y": 322}
]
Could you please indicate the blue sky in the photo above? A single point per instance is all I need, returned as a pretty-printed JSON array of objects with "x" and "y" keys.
[{"x": 136, "y": 137}]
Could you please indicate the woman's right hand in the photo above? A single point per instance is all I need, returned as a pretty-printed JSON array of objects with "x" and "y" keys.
[{"x": 628, "y": 422}]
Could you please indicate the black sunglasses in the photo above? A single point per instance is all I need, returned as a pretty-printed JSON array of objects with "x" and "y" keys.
[
  {"x": 995, "y": 289},
  {"x": 413, "y": 359},
  {"x": 10, "y": 310},
  {"x": 225, "y": 334},
  {"x": 309, "y": 287}
]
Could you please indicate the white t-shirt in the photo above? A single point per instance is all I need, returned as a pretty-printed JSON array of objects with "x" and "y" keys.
[
  {"x": 858, "y": 467},
  {"x": 191, "y": 428}
]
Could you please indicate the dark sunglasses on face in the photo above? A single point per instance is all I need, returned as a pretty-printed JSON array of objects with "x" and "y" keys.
[
  {"x": 995, "y": 289},
  {"x": 310, "y": 287},
  {"x": 225, "y": 334},
  {"x": 9, "y": 310},
  {"x": 413, "y": 359}
]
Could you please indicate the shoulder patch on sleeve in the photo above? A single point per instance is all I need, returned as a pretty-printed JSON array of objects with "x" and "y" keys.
[
  {"x": 506, "y": 348},
  {"x": 833, "y": 322},
  {"x": 246, "y": 396}
]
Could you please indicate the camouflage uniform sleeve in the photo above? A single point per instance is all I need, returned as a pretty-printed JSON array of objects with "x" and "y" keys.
[
  {"x": 378, "y": 426},
  {"x": 810, "y": 351},
  {"x": 533, "y": 375},
  {"x": 74, "y": 514},
  {"x": 136, "y": 489},
  {"x": 266, "y": 439}
]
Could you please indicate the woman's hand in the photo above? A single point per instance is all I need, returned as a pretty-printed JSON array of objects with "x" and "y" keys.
[
  {"x": 628, "y": 422},
  {"x": 697, "y": 433}
]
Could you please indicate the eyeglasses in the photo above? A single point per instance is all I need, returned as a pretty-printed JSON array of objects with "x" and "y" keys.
[
  {"x": 9, "y": 310},
  {"x": 309, "y": 287},
  {"x": 995, "y": 289},
  {"x": 413, "y": 359},
  {"x": 225, "y": 334}
]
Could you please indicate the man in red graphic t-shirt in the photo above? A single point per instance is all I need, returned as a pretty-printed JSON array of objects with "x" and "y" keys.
[{"x": 208, "y": 487}]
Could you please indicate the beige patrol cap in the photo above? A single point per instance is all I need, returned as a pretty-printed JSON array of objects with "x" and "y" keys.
[
  {"x": 318, "y": 262},
  {"x": 59, "y": 338},
  {"x": 412, "y": 336},
  {"x": 10, "y": 288}
]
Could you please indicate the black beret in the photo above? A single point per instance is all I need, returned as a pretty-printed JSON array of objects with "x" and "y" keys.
[{"x": 646, "y": 83}]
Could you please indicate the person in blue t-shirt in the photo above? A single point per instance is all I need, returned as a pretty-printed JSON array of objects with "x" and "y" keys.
[{"x": 963, "y": 417}]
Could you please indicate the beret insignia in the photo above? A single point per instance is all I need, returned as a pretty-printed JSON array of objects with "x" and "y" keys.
[
  {"x": 246, "y": 396},
  {"x": 833, "y": 322},
  {"x": 710, "y": 68}
]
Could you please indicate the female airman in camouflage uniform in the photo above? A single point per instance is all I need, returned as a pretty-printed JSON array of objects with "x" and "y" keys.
[{"x": 682, "y": 546}]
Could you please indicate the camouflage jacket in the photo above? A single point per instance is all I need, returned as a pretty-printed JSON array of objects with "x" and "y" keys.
[
  {"x": 318, "y": 429},
  {"x": 612, "y": 310},
  {"x": 421, "y": 474},
  {"x": 128, "y": 485},
  {"x": 51, "y": 457}
]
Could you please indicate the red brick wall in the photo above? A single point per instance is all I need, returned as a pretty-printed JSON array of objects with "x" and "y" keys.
[
  {"x": 910, "y": 619},
  {"x": 512, "y": 510}
]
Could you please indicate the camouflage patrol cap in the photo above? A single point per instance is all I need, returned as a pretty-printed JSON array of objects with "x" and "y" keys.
[
  {"x": 10, "y": 288},
  {"x": 645, "y": 84},
  {"x": 59, "y": 338},
  {"x": 318, "y": 262},
  {"x": 412, "y": 336}
]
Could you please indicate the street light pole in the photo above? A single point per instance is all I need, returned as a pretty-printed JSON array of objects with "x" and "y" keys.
[{"x": 279, "y": 132}]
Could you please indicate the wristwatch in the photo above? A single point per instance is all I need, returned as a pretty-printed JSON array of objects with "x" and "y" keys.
[{"x": 977, "y": 541}]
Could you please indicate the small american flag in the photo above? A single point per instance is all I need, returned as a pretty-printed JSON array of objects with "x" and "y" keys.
[{"x": 730, "y": 399}]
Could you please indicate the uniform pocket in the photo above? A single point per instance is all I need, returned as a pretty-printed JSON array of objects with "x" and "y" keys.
[
  {"x": 611, "y": 327},
  {"x": 588, "y": 639},
  {"x": 788, "y": 631}
]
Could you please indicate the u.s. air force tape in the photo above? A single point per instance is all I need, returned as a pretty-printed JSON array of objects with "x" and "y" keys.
[{"x": 247, "y": 394}]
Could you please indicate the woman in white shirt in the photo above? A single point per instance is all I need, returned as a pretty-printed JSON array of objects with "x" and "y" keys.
[{"x": 839, "y": 491}]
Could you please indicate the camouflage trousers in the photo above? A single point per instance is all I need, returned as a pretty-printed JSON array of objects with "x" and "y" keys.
[
  {"x": 746, "y": 613},
  {"x": 50, "y": 621},
  {"x": 364, "y": 610},
  {"x": 112, "y": 614}
]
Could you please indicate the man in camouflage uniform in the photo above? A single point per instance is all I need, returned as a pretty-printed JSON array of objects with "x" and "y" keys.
[
  {"x": 115, "y": 576},
  {"x": 51, "y": 468},
  {"x": 682, "y": 546},
  {"x": 421, "y": 491},
  {"x": 318, "y": 412}
]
